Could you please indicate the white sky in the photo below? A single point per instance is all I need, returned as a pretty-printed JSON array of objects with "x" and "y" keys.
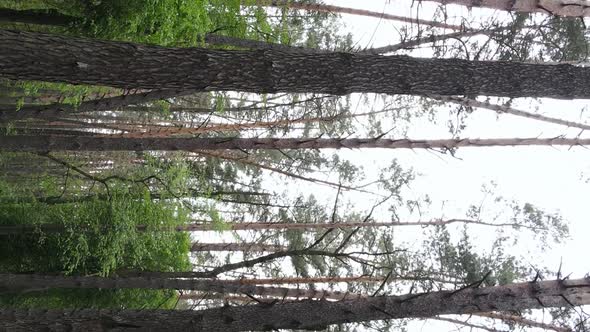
[{"x": 550, "y": 178}]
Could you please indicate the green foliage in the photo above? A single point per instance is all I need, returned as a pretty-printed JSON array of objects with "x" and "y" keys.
[
  {"x": 462, "y": 261},
  {"x": 99, "y": 237},
  {"x": 217, "y": 220},
  {"x": 68, "y": 93},
  {"x": 225, "y": 17},
  {"x": 162, "y": 22},
  {"x": 93, "y": 298}
]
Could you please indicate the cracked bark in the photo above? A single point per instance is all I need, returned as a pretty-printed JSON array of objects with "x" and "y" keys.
[
  {"x": 45, "y": 57},
  {"x": 307, "y": 314}
]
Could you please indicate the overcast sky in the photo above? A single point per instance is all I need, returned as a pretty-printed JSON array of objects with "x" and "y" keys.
[{"x": 552, "y": 178}]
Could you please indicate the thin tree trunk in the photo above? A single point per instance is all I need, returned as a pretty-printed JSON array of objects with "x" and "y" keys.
[
  {"x": 214, "y": 39},
  {"x": 204, "y": 225},
  {"x": 258, "y": 247},
  {"x": 196, "y": 296},
  {"x": 43, "y": 144},
  {"x": 314, "y": 280},
  {"x": 509, "y": 110},
  {"x": 171, "y": 131},
  {"x": 19, "y": 283},
  {"x": 214, "y": 272},
  {"x": 58, "y": 111},
  {"x": 465, "y": 323},
  {"x": 571, "y": 8},
  {"x": 361, "y": 12},
  {"x": 411, "y": 43},
  {"x": 523, "y": 321},
  {"x": 36, "y": 16},
  {"x": 309, "y": 314},
  {"x": 249, "y": 161},
  {"x": 45, "y": 57},
  {"x": 304, "y": 280}
]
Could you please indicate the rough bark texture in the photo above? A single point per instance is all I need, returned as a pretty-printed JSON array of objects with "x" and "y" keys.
[
  {"x": 571, "y": 8},
  {"x": 36, "y": 16},
  {"x": 43, "y": 144},
  {"x": 307, "y": 314},
  {"x": 45, "y": 57}
]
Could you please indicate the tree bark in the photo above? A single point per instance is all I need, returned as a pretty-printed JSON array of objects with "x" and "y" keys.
[
  {"x": 36, "y": 16},
  {"x": 308, "y": 314},
  {"x": 45, "y": 57},
  {"x": 43, "y": 144},
  {"x": 571, "y": 8}
]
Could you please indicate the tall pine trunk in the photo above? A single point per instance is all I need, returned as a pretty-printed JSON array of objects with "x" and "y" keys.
[
  {"x": 308, "y": 314},
  {"x": 57, "y": 110},
  {"x": 45, "y": 57},
  {"x": 16, "y": 283},
  {"x": 42, "y": 143},
  {"x": 204, "y": 225},
  {"x": 36, "y": 282}
]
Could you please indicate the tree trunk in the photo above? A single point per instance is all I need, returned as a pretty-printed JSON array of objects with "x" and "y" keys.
[
  {"x": 237, "y": 247},
  {"x": 316, "y": 7},
  {"x": 214, "y": 39},
  {"x": 36, "y": 16},
  {"x": 305, "y": 280},
  {"x": 553, "y": 7},
  {"x": 57, "y": 111},
  {"x": 523, "y": 321},
  {"x": 510, "y": 110},
  {"x": 42, "y": 144},
  {"x": 45, "y": 57},
  {"x": 16, "y": 283},
  {"x": 433, "y": 38},
  {"x": 308, "y": 314},
  {"x": 204, "y": 225}
]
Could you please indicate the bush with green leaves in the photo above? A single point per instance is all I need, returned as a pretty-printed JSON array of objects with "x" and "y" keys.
[
  {"x": 163, "y": 22},
  {"x": 98, "y": 237}
]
